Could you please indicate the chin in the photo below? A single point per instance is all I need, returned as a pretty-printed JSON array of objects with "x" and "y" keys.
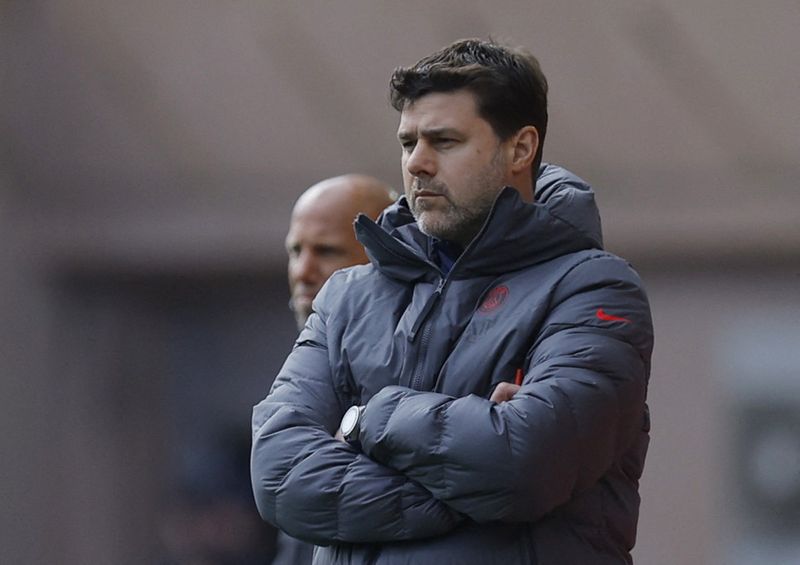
[
  {"x": 432, "y": 226},
  {"x": 301, "y": 320},
  {"x": 301, "y": 314},
  {"x": 440, "y": 232}
]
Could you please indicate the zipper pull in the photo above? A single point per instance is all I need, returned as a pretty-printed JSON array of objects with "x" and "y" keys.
[{"x": 426, "y": 310}]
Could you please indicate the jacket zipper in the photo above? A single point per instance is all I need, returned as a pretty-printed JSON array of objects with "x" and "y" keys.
[
  {"x": 421, "y": 320},
  {"x": 433, "y": 300},
  {"x": 426, "y": 310},
  {"x": 416, "y": 381}
]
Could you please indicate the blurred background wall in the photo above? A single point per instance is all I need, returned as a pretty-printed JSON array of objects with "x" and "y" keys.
[{"x": 151, "y": 152}]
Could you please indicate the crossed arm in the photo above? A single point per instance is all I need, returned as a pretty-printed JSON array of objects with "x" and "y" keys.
[
  {"x": 321, "y": 490},
  {"x": 420, "y": 473},
  {"x": 579, "y": 409}
]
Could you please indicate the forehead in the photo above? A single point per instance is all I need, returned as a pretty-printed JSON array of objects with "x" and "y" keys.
[
  {"x": 322, "y": 222},
  {"x": 440, "y": 110}
]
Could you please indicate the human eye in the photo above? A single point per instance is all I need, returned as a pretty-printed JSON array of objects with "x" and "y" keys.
[
  {"x": 327, "y": 251},
  {"x": 445, "y": 142},
  {"x": 407, "y": 141},
  {"x": 293, "y": 250},
  {"x": 408, "y": 145}
]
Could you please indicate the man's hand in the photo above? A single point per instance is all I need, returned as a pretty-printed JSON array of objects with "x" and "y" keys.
[
  {"x": 504, "y": 391},
  {"x": 339, "y": 436}
]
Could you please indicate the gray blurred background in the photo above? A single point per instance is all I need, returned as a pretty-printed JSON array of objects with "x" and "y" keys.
[{"x": 151, "y": 152}]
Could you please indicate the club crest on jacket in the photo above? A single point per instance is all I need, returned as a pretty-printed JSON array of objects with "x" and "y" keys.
[{"x": 494, "y": 299}]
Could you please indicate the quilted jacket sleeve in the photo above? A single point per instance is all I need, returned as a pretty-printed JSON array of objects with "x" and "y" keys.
[
  {"x": 317, "y": 488},
  {"x": 581, "y": 405}
]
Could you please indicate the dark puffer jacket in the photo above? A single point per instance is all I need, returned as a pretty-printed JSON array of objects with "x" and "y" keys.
[{"x": 445, "y": 475}]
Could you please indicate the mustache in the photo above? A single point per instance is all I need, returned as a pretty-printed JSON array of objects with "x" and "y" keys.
[{"x": 429, "y": 185}]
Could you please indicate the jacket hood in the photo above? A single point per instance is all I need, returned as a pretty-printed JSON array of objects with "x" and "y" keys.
[{"x": 563, "y": 219}]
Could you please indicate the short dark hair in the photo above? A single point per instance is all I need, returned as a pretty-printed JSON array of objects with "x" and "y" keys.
[{"x": 508, "y": 83}]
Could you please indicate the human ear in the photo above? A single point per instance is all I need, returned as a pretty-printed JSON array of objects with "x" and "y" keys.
[{"x": 525, "y": 143}]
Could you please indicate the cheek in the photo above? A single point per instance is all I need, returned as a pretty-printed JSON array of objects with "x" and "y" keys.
[
  {"x": 353, "y": 257},
  {"x": 327, "y": 268},
  {"x": 301, "y": 269},
  {"x": 407, "y": 179}
]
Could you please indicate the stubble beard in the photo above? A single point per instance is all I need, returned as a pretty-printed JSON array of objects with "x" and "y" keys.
[
  {"x": 459, "y": 223},
  {"x": 301, "y": 318},
  {"x": 301, "y": 314}
]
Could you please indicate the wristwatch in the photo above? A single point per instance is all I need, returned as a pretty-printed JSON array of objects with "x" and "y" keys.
[{"x": 351, "y": 423}]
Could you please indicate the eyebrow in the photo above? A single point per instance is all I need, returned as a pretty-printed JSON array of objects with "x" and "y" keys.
[{"x": 431, "y": 132}]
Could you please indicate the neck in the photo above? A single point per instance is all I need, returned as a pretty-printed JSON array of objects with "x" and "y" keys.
[{"x": 525, "y": 186}]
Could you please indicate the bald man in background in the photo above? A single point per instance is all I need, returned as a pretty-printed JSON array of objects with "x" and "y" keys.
[{"x": 321, "y": 240}]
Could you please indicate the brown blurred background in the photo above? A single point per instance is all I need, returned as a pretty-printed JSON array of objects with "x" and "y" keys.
[{"x": 151, "y": 152}]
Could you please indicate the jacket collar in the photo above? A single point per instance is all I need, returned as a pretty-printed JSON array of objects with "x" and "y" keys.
[{"x": 564, "y": 219}]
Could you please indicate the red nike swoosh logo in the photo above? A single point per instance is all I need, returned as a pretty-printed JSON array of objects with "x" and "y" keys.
[{"x": 609, "y": 318}]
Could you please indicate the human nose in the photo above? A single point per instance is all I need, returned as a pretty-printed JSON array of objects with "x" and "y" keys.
[
  {"x": 421, "y": 161},
  {"x": 304, "y": 267}
]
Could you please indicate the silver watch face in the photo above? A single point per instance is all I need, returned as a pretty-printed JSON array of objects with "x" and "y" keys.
[{"x": 349, "y": 420}]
